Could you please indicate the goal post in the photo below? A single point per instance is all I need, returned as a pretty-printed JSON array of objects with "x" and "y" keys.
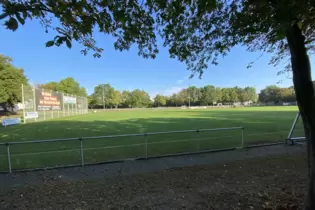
[{"x": 295, "y": 140}]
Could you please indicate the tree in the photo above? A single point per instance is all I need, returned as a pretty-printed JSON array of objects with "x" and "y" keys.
[
  {"x": 159, "y": 100},
  {"x": 271, "y": 93},
  {"x": 126, "y": 98},
  {"x": 242, "y": 95},
  {"x": 183, "y": 97},
  {"x": 225, "y": 98},
  {"x": 70, "y": 86},
  {"x": 176, "y": 100},
  {"x": 81, "y": 92},
  {"x": 276, "y": 94},
  {"x": 196, "y": 32},
  {"x": 208, "y": 95},
  {"x": 233, "y": 95},
  {"x": 49, "y": 86},
  {"x": 193, "y": 95},
  {"x": 116, "y": 99},
  {"x": 251, "y": 93},
  {"x": 11, "y": 79},
  {"x": 229, "y": 95},
  {"x": 287, "y": 94},
  {"x": 103, "y": 95},
  {"x": 67, "y": 86},
  {"x": 218, "y": 94},
  {"x": 139, "y": 98},
  {"x": 91, "y": 101}
]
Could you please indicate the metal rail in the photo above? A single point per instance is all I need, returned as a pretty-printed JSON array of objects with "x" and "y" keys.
[
  {"x": 145, "y": 135},
  {"x": 121, "y": 135}
]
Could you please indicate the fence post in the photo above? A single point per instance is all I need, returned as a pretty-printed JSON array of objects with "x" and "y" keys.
[
  {"x": 58, "y": 113},
  {"x": 146, "y": 145},
  {"x": 44, "y": 114},
  {"x": 76, "y": 105},
  {"x": 9, "y": 157},
  {"x": 34, "y": 100},
  {"x": 86, "y": 106},
  {"x": 81, "y": 149},
  {"x": 52, "y": 114},
  {"x": 63, "y": 105},
  {"x": 23, "y": 102}
]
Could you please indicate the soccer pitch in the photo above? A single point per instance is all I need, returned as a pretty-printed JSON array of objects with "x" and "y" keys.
[{"x": 262, "y": 125}]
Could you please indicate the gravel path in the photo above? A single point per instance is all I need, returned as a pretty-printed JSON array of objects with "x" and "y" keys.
[
  {"x": 269, "y": 183},
  {"x": 141, "y": 166}
]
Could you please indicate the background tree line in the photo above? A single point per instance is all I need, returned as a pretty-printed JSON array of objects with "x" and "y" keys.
[
  {"x": 211, "y": 95},
  {"x": 105, "y": 95},
  {"x": 276, "y": 94},
  {"x": 68, "y": 86}
]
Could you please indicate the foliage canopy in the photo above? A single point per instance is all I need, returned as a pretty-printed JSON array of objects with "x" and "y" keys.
[
  {"x": 196, "y": 32},
  {"x": 11, "y": 79},
  {"x": 67, "y": 85}
]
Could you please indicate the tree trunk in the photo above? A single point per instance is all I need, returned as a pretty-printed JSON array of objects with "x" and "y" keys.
[{"x": 305, "y": 98}]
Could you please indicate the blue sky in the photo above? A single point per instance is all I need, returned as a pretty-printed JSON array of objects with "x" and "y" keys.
[{"x": 126, "y": 70}]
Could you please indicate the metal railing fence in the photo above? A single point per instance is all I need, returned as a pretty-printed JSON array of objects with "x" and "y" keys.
[{"x": 145, "y": 143}]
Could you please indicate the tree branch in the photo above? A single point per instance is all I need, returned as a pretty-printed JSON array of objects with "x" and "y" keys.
[
  {"x": 309, "y": 41},
  {"x": 4, "y": 15}
]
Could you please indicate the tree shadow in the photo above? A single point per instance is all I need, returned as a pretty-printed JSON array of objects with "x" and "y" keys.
[
  {"x": 261, "y": 130},
  {"x": 252, "y": 121}
]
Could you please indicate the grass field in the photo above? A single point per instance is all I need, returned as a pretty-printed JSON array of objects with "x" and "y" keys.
[{"x": 262, "y": 125}]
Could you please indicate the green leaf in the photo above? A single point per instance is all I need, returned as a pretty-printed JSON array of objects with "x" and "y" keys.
[
  {"x": 12, "y": 24},
  {"x": 300, "y": 25},
  {"x": 60, "y": 40},
  {"x": 68, "y": 42},
  {"x": 75, "y": 35},
  {"x": 50, "y": 43},
  {"x": 21, "y": 20},
  {"x": 24, "y": 14}
]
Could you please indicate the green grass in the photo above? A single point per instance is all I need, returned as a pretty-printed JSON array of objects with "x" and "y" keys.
[{"x": 262, "y": 125}]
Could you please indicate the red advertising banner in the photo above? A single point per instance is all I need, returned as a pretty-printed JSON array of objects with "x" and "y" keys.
[{"x": 48, "y": 100}]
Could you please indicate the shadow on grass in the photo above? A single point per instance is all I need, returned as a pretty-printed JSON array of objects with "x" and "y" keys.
[
  {"x": 259, "y": 128},
  {"x": 253, "y": 122}
]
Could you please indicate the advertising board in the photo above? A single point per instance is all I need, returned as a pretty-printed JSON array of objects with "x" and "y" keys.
[
  {"x": 69, "y": 100},
  {"x": 48, "y": 100},
  {"x": 11, "y": 121}
]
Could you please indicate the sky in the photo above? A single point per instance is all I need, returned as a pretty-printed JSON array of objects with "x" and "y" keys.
[{"x": 126, "y": 70}]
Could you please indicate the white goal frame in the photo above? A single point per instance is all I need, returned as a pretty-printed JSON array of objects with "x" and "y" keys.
[{"x": 295, "y": 140}]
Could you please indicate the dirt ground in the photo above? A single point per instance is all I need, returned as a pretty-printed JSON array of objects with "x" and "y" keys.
[{"x": 261, "y": 183}]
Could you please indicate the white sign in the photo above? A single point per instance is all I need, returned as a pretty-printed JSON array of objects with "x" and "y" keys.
[
  {"x": 31, "y": 115},
  {"x": 69, "y": 100},
  {"x": 11, "y": 121}
]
